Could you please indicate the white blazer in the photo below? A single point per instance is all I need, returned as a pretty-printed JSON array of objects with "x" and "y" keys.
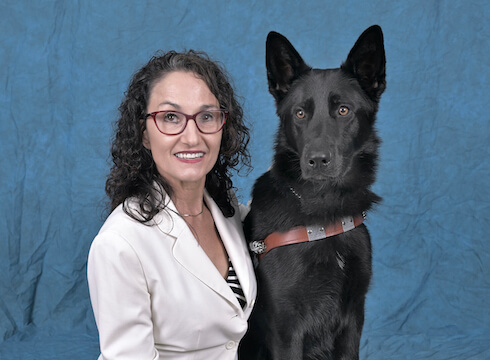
[{"x": 156, "y": 295}]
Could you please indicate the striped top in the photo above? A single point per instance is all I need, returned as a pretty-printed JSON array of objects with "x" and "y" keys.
[{"x": 234, "y": 284}]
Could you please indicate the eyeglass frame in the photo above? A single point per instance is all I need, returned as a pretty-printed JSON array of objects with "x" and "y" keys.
[{"x": 187, "y": 118}]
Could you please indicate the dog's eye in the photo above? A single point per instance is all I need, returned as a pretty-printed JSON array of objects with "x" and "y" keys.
[
  {"x": 343, "y": 110},
  {"x": 300, "y": 114}
]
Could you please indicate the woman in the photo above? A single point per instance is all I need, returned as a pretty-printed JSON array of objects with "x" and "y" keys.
[{"x": 169, "y": 272}]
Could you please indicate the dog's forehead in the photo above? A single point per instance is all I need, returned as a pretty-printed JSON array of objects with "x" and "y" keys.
[{"x": 324, "y": 82}]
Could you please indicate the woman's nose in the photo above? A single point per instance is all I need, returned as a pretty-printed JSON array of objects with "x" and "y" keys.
[{"x": 191, "y": 133}]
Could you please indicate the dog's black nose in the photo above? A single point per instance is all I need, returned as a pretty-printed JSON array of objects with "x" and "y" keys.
[{"x": 318, "y": 160}]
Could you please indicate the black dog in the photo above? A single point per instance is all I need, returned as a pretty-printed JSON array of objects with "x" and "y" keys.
[{"x": 311, "y": 294}]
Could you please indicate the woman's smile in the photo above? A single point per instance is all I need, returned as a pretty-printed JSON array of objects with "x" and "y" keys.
[{"x": 189, "y": 155}]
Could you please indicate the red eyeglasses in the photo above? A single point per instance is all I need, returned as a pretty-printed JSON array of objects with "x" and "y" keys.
[{"x": 172, "y": 122}]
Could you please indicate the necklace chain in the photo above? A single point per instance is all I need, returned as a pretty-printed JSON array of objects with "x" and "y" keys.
[
  {"x": 194, "y": 215},
  {"x": 295, "y": 193}
]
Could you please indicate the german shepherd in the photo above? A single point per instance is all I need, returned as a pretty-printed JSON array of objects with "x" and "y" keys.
[{"x": 305, "y": 222}]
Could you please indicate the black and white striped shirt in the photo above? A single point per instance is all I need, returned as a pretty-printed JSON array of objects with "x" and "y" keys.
[{"x": 234, "y": 284}]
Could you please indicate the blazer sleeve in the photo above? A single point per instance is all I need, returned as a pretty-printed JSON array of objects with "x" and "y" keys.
[{"x": 120, "y": 300}]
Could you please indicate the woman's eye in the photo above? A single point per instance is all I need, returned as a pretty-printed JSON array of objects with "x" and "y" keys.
[
  {"x": 300, "y": 114},
  {"x": 343, "y": 110},
  {"x": 207, "y": 117},
  {"x": 171, "y": 117}
]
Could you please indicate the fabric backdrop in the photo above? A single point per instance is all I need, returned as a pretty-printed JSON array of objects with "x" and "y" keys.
[{"x": 64, "y": 68}]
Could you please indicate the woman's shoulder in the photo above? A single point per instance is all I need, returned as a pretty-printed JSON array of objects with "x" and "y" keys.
[
  {"x": 119, "y": 218},
  {"x": 119, "y": 223},
  {"x": 127, "y": 221},
  {"x": 116, "y": 228},
  {"x": 241, "y": 208},
  {"x": 122, "y": 234}
]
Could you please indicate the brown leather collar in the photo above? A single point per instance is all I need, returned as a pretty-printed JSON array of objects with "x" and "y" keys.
[{"x": 301, "y": 234}]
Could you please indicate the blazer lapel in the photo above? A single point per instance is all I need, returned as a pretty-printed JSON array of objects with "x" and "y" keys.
[
  {"x": 231, "y": 232},
  {"x": 190, "y": 255}
]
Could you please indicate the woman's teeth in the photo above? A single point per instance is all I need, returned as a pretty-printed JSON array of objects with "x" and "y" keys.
[{"x": 189, "y": 155}]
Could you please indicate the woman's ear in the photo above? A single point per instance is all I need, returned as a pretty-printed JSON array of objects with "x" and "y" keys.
[{"x": 144, "y": 135}]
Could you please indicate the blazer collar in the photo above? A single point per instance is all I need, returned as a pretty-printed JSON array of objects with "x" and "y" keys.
[{"x": 191, "y": 256}]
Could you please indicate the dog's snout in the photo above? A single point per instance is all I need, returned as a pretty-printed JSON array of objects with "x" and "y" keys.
[{"x": 319, "y": 160}]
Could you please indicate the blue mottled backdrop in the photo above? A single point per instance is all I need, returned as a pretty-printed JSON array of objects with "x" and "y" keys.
[{"x": 65, "y": 65}]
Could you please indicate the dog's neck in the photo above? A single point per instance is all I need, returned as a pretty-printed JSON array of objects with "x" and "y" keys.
[
  {"x": 319, "y": 201},
  {"x": 322, "y": 203}
]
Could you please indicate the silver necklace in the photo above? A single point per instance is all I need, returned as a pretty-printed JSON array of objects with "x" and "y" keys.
[{"x": 194, "y": 215}]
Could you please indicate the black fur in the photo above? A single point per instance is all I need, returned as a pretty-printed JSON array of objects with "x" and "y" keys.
[{"x": 311, "y": 295}]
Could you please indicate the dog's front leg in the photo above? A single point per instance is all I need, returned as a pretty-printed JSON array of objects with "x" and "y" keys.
[
  {"x": 348, "y": 341},
  {"x": 287, "y": 343}
]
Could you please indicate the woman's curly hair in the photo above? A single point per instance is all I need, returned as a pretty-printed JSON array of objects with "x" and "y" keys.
[{"x": 134, "y": 173}]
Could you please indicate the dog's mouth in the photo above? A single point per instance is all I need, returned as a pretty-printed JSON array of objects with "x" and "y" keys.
[{"x": 319, "y": 178}]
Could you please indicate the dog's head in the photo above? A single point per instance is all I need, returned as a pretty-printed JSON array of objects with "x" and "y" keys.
[{"x": 327, "y": 116}]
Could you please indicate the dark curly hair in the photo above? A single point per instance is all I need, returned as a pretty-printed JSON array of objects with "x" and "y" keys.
[{"x": 134, "y": 173}]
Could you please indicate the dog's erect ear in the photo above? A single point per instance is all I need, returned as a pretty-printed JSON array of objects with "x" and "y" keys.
[
  {"x": 367, "y": 61},
  {"x": 284, "y": 64}
]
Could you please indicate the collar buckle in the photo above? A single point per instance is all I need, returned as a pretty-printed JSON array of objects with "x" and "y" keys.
[{"x": 258, "y": 247}]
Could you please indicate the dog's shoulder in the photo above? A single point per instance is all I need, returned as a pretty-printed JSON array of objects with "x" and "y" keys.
[
  {"x": 274, "y": 207},
  {"x": 268, "y": 191}
]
